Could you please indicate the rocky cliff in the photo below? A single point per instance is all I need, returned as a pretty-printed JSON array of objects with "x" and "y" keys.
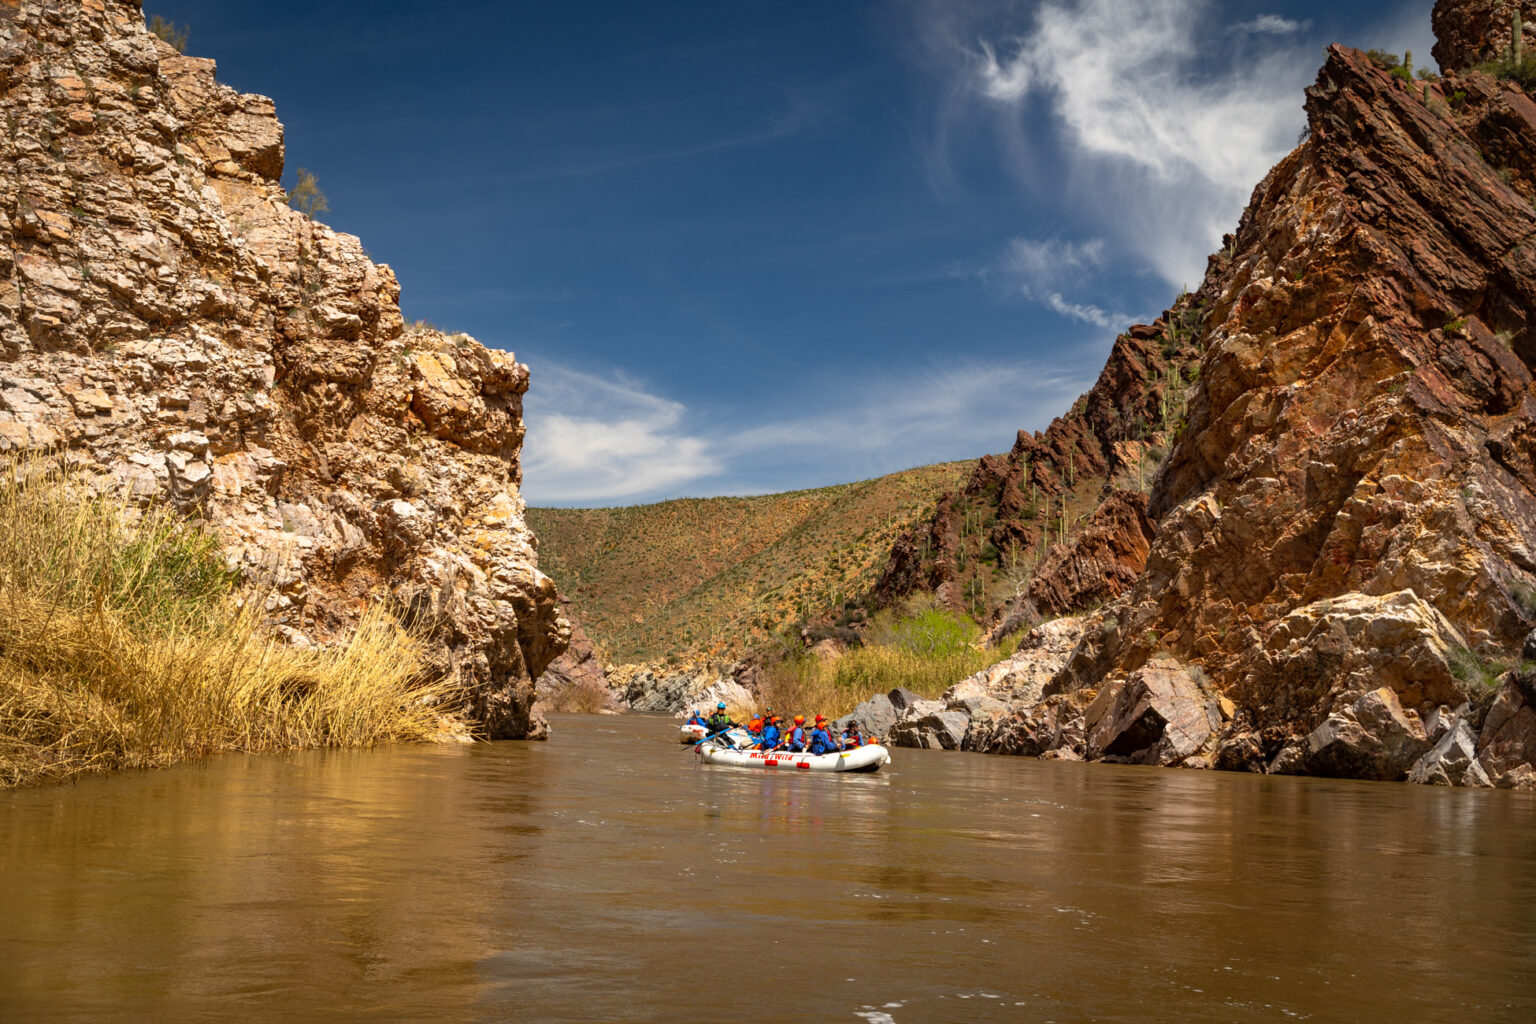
[
  {"x": 172, "y": 325},
  {"x": 1340, "y": 555}
]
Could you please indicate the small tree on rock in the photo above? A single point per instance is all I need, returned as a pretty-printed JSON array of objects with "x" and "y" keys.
[
  {"x": 306, "y": 196},
  {"x": 172, "y": 33}
]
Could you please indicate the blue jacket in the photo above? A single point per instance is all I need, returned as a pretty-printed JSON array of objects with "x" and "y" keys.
[
  {"x": 697, "y": 720},
  {"x": 822, "y": 742},
  {"x": 770, "y": 737},
  {"x": 796, "y": 740}
]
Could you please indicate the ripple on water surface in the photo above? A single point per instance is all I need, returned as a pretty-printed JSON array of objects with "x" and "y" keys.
[{"x": 606, "y": 875}]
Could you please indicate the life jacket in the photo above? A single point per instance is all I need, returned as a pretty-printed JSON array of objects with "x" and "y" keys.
[
  {"x": 797, "y": 738},
  {"x": 755, "y": 726},
  {"x": 822, "y": 742},
  {"x": 853, "y": 739},
  {"x": 717, "y": 721}
]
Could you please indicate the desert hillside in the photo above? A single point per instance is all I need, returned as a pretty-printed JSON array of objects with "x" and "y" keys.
[{"x": 713, "y": 577}]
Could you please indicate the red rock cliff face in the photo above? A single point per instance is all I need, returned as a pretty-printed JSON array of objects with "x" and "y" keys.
[
  {"x": 1344, "y": 549},
  {"x": 1468, "y": 32},
  {"x": 1365, "y": 420},
  {"x": 1353, "y": 503},
  {"x": 166, "y": 318}
]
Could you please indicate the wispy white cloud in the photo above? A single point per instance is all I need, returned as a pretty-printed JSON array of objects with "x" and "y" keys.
[
  {"x": 1040, "y": 269},
  {"x": 1272, "y": 25},
  {"x": 1165, "y": 135},
  {"x": 604, "y": 438}
]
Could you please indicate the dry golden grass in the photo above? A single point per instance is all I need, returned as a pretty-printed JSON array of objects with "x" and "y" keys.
[
  {"x": 835, "y": 687},
  {"x": 124, "y": 643}
]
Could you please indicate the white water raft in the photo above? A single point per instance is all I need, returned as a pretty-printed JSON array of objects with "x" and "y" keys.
[
  {"x": 691, "y": 733},
  {"x": 859, "y": 759}
]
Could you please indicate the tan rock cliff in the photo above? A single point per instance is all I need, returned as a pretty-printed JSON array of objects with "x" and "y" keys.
[{"x": 168, "y": 321}]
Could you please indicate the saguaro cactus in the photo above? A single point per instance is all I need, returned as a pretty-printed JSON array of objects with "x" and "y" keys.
[{"x": 1517, "y": 38}]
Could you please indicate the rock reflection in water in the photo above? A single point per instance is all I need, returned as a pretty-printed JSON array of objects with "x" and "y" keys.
[{"x": 605, "y": 875}]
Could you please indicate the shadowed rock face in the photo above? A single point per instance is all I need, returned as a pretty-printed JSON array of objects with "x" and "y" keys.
[{"x": 167, "y": 319}]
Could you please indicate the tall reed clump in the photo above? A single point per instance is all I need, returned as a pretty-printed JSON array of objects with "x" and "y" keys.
[
  {"x": 926, "y": 650},
  {"x": 124, "y": 643}
]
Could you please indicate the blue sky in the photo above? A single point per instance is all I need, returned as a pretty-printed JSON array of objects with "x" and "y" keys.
[{"x": 753, "y": 246}]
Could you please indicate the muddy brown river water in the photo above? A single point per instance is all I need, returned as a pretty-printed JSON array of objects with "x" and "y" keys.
[{"x": 606, "y": 876}]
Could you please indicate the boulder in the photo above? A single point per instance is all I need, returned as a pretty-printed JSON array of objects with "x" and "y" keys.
[
  {"x": 931, "y": 726},
  {"x": 1156, "y": 715},
  {"x": 1452, "y": 761},
  {"x": 1373, "y": 738},
  {"x": 1325, "y": 653},
  {"x": 1508, "y": 739},
  {"x": 1523, "y": 777},
  {"x": 875, "y": 717},
  {"x": 1242, "y": 752}
]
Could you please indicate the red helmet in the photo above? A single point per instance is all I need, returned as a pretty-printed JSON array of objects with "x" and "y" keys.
[
  {"x": 821, "y": 718},
  {"x": 799, "y": 719}
]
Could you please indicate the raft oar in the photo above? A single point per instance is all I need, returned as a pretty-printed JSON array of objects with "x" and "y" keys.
[{"x": 712, "y": 735}]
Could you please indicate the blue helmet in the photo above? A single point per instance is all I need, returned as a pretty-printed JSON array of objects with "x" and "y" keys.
[{"x": 721, "y": 705}]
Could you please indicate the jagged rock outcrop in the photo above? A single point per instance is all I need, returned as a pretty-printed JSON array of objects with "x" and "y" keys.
[
  {"x": 1102, "y": 562},
  {"x": 1468, "y": 32},
  {"x": 576, "y": 680},
  {"x": 1344, "y": 531},
  {"x": 1042, "y": 500},
  {"x": 168, "y": 321}
]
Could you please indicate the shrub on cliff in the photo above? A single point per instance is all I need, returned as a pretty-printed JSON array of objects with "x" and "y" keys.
[
  {"x": 172, "y": 33},
  {"x": 124, "y": 643},
  {"x": 306, "y": 196}
]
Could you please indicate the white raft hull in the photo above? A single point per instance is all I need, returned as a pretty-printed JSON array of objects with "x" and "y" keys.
[
  {"x": 859, "y": 759},
  {"x": 691, "y": 733}
]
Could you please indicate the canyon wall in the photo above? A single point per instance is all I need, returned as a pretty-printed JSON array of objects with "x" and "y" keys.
[
  {"x": 1337, "y": 565},
  {"x": 170, "y": 324}
]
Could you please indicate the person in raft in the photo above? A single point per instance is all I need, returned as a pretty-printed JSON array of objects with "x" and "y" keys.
[
  {"x": 719, "y": 721},
  {"x": 755, "y": 728},
  {"x": 771, "y": 734},
  {"x": 851, "y": 737},
  {"x": 795, "y": 741},
  {"x": 821, "y": 737},
  {"x": 697, "y": 719}
]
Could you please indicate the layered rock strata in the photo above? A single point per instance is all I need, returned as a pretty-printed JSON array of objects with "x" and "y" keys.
[
  {"x": 1343, "y": 535},
  {"x": 172, "y": 325}
]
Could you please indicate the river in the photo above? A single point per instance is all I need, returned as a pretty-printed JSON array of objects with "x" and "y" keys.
[{"x": 606, "y": 876}]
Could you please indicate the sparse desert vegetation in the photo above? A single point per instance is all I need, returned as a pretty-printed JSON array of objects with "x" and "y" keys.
[{"x": 717, "y": 575}]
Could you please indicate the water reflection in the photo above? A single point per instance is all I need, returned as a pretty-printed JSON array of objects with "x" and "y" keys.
[{"x": 605, "y": 875}]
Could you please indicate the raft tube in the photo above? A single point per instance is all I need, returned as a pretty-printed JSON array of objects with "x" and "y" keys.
[
  {"x": 860, "y": 759},
  {"x": 691, "y": 733}
]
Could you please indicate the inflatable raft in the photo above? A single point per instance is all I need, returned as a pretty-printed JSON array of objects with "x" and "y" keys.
[
  {"x": 725, "y": 751},
  {"x": 691, "y": 733}
]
